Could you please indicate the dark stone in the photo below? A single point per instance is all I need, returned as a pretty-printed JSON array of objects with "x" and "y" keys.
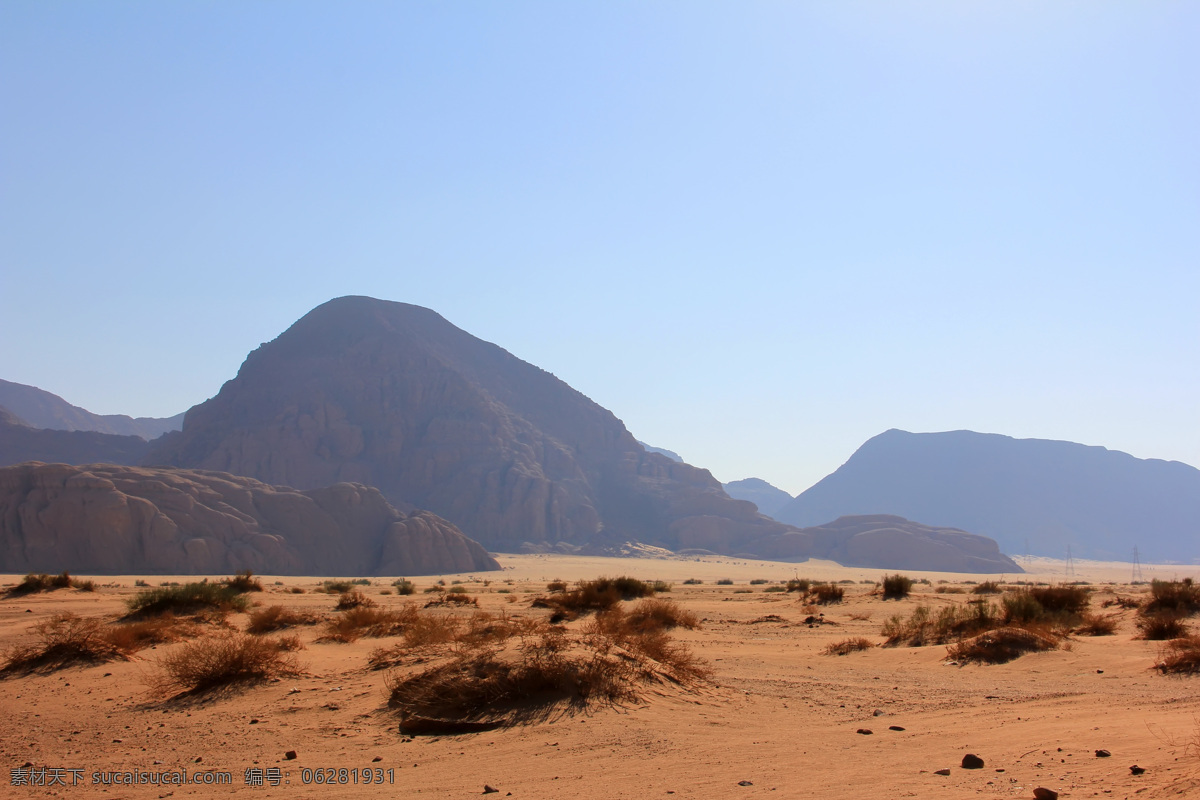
[
  {"x": 290, "y": 755},
  {"x": 1042, "y": 793},
  {"x": 865, "y": 731},
  {"x": 1102, "y": 754},
  {"x": 1136, "y": 770},
  {"x": 895, "y": 728},
  {"x": 972, "y": 761},
  {"x": 941, "y": 772}
]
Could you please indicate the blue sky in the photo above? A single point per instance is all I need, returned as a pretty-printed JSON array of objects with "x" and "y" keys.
[{"x": 758, "y": 232}]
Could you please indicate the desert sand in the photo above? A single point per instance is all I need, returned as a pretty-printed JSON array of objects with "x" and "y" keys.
[{"x": 777, "y": 719}]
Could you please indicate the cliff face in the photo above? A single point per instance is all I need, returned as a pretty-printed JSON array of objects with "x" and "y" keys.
[
  {"x": 111, "y": 519},
  {"x": 19, "y": 442},
  {"x": 1024, "y": 493},
  {"x": 393, "y": 396}
]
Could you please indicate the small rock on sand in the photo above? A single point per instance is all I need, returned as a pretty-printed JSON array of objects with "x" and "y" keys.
[
  {"x": 489, "y": 790},
  {"x": 941, "y": 772},
  {"x": 972, "y": 761},
  {"x": 1102, "y": 754},
  {"x": 290, "y": 755},
  {"x": 865, "y": 731},
  {"x": 1042, "y": 793}
]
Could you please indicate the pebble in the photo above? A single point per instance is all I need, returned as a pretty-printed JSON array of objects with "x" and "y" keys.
[
  {"x": 745, "y": 783},
  {"x": 489, "y": 790},
  {"x": 941, "y": 772},
  {"x": 865, "y": 731},
  {"x": 895, "y": 728},
  {"x": 1102, "y": 754},
  {"x": 1136, "y": 770},
  {"x": 972, "y": 761},
  {"x": 290, "y": 755}
]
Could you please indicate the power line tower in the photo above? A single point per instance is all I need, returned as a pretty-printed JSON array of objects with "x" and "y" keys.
[
  {"x": 1137, "y": 568},
  {"x": 1070, "y": 568}
]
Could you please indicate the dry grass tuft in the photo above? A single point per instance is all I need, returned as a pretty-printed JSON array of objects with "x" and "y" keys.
[
  {"x": 63, "y": 640},
  {"x": 34, "y": 583},
  {"x": 186, "y": 599},
  {"x": 848, "y": 646},
  {"x": 354, "y": 623},
  {"x": 896, "y": 587},
  {"x": 244, "y": 582},
  {"x": 1097, "y": 625},
  {"x": 1001, "y": 645},
  {"x": 591, "y": 596},
  {"x": 826, "y": 593},
  {"x": 1159, "y": 626},
  {"x": 215, "y": 661},
  {"x": 1179, "y": 597},
  {"x": 1180, "y": 656},
  {"x": 275, "y": 618},
  {"x": 130, "y": 637},
  {"x": 353, "y": 599}
]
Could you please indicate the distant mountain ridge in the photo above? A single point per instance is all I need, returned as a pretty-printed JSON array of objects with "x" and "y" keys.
[
  {"x": 769, "y": 499},
  {"x": 1101, "y": 503},
  {"x": 41, "y": 409},
  {"x": 19, "y": 442},
  {"x": 392, "y": 395}
]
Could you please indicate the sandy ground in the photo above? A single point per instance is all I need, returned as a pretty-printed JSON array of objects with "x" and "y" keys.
[{"x": 779, "y": 719}]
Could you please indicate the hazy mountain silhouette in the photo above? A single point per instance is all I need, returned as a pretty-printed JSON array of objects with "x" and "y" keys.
[
  {"x": 392, "y": 395},
  {"x": 1102, "y": 503},
  {"x": 41, "y": 409},
  {"x": 671, "y": 454},
  {"x": 768, "y": 498},
  {"x": 20, "y": 442}
]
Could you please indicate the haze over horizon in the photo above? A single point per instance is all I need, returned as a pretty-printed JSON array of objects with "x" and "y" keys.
[{"x": 758, "y": 235}]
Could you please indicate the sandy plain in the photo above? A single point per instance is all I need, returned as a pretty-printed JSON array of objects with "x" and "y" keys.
[{"x": 778, "y": 719}]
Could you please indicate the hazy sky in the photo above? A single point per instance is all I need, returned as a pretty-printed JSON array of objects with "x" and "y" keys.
[{"x": 759, "y": 232}]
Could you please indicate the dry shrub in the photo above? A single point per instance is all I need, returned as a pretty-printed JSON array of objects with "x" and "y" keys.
[
  {"x": 801, "y": 585},
  {"x": 1001, "y": 645},
  {"x": 130, "y": 637},
  {"x": 244, "y": 582},
  {"x": 453, "y": 598},
  {"x": 1180, "y": 656},
  {"x": 693, "y": 582},
  {"x": 661, "y": 614},
  {"x": 861, "y": 616},
  {"x": 404, "y": 586},
  {"x": 847, "y": 646},
  {"x": 1180, "y": 597},
  {"x": 950, "y": 590},
  {"x": 896, "y": 587},
  {"x": 63, "y": 640},
  {"x": 1161, "y": 625},
  {"x": 1097, "y": 625},
  {"x": 221, "y": 660},
  {"x": 1061, "y": 600},
  {"x": 354, "y": 623},
  {"x": 556, "y": 586},
  {"x": 923, "y": 627},
  {"x": 354, "y": 599},
  {"x": 528, "y": 677},
  {"x": 591, "y": 596},
  {"x": 275, "y": 618},
  {"x": 1121, "y": 602},
  {"x": 826, "y": 593},
  {"x": 41, "y": 582},
  {"x": 186, "y": 599},
  {"x": 289, "y": 642},
  {"x": 987, "y": 587}
]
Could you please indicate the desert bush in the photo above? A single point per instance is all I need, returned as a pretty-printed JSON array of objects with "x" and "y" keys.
[
  {"x": 592, "y": 596},
  {"x": 801, "y": 585},
  {"x": 1061, "y": 600},
  {"x": 693, "y": 582},
  {"x": 662, "y": 586},
  {"x": 457, "y": 588},
  {"x": 188, "y": 598},
  {"x": 725, "y": 582},
  {"x": 289, "y": 642},
  {"x": 1181, "y": 597},
  {"x": 1121, "y": 602},
  {"x": 404, "y": 587},
  {"x": 1021, "y": 607},
  {"x": 1180, "y": 656},
  {"x": 64, "y": 639},
  {"x": 244, "y": 582},
  {"x": 896, "y": 587},
  {"x": 353, "y": 599},
  {"x": 274, "y": 618},
  {"x": 556, "y": 586},
  {"x": 41, "y": 582},
  {"x": 358, "y": 621},
  {"x": 1000, "y": 645},
  {"x": 987, "y": 587},
  {"x": 848, "y": 646},
  {"x": 1161, "y": 625},
  {"x": 214, "y": 661},
  {"x": 775, "y": 589},
  {"x": 758, "y": 581},
  {"x": 655, "y": 614},
  {"x": 950, "y": 589},
  {"x": 164, "y": 628},
  {"x": 297, "y": 590},
  {"x": 826, "y": 593},
  {"x": 923, "y": 627},
  {"x": 453, "y": 598},
  {"x": 432, "y": 589},
  {"x": 1097, "y": 625}
]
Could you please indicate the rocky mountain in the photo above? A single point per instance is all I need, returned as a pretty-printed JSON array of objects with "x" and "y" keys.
[
  {"x": 111, "y": 519},
  {"x": 20, "y": 442},
  {"x": 392, "y": 395},
  {"x": 671, "y": 454},
  {"x": 889, "y": 542},
  {"x": 41, "y": 409},
  {"x": 768, "y": 498},
  {"x": 1101, "y": 503}
]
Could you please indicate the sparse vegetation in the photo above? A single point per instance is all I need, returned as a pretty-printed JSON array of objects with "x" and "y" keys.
[
  {"x": 801, "y": 585},
  {"x": 826, "y": 593},
  {"x": 693, "y": 582},
  {"x": 187, "y": 599},
  {"x": 1097, "y": 625},
  {"x": 404, "y": 587},
  {"x": 725, "y": 582},
  {"x": 1162, "y": 625},
  {"x": 987, "y": 587},
  {"x": 591, "y": 596},
  {"x": 41, "y": 582},
  {"x": 758, "y": 581},
  {"x": 1180, "y": 656},
  {"x": 896, "y": 587},
  {"x": 244, "y": 582},
  {"x": 1001, "y": 645},
  {"x": 556, "y": 586},
  {"x": 274, "y": 618},
  {"x": 848, "y": 646},
  {"x": 214, "y": 661},
  {"x": 63, "y": 640},
  {"x": 1180, "y": 597}
]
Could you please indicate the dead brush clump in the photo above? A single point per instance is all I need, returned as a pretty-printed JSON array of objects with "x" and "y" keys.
[
  {"x": 539, "y": 669},
  {"x": 428, "y": 630},
  {"x": 130, "y": 637},
  {"x": 453, "y": 599},
  {"x": 951, "y": 622},
  {"x": 1001, "y": 645},
  {"x": 1121, "y": 602},
  {"x": 591, "y": 596},
  {"x": 190, "y": 598},
  {"x": 33, "y": 583},
  {"x": 1180, "y": 656},
  {"x": 63, "y": 640},
  {"x": 826, "y": 593},
  {"x": 896, "y": 587},
  {"x": 244, "y": 582},
  {"x": 359, "y": 621},
  {"x": 276, "y": 618},
  {"x": 1158, "y": 626},
  {"x": 204, "y": 664},
  {"x": 1180, "y": 597},
  {"x": 1097, "y": 625},
  {"x": 353, "y": 598},
  {"x": 848, "y": 646},
  {"x": 987, "y": 587}
]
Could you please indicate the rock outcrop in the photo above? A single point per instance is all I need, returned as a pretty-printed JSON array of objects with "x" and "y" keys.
[
  {"x": 884, "y": 541},
  {"x": 1030, "y": 495},
  {"x": 38, "y": 408},
  {"x": 19, "y": 443},
  {"x": 392, "y": 395},
  {"x": 108, "y": 519},
  {"x": 768, "y": 498}
]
